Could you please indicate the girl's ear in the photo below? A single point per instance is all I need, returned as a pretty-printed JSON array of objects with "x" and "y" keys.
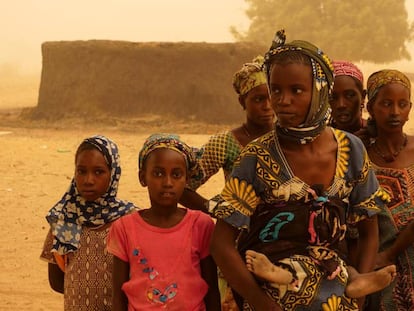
[
  {"x": 369, "y": 108},
  {"x": 364, "y": 94},
  {"x": 141, "y": 177},
  {"x": 242, "y": 102}
]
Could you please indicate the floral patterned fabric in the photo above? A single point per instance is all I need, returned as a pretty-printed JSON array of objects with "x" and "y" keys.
[{"x": 263, "y": 176}]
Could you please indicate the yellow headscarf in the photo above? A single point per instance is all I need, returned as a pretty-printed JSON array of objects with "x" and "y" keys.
[
  {"x": 383, "y": 77},
  {"x": 249, "y": 76}
]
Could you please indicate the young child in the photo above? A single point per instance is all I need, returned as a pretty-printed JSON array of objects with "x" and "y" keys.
[
  {"x": 281, "y": 275},
  {"x": 161, "y": 254},
  {"x": 75, "y": 247}
]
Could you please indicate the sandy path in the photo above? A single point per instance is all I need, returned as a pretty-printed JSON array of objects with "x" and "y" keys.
[{"x": 37, "y": 165}]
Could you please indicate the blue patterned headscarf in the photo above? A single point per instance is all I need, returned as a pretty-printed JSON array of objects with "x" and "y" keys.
[
  {"x": 72, "y": 212},
  {"x": 323, "y": 78}
]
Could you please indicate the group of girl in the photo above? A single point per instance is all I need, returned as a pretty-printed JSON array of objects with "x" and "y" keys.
[{"x": 306, "y": 203}]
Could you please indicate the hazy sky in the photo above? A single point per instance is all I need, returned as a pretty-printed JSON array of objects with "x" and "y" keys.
[{"x": 25, "y": 24}]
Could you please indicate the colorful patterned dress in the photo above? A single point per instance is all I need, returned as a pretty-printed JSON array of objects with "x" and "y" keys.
[
  {"x": 265, "y": 198},
  {"x": 220, "y": 152},
  {"x": 392, "y": 220}
]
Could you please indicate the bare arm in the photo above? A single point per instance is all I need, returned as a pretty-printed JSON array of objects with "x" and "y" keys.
[
  {"x": 119, "y": 276},
  {"x": 56, "y": 278},
  {"x": 234, "y": 269},
  {"x": 404, "y": 239},
  {"x": 192, "y": 200},
  {"x": 368, "y": 244},
  {"x": 209, "y": 274}
]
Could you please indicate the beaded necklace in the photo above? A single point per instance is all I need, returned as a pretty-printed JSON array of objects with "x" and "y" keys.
[{"x": 392, "y": 156}]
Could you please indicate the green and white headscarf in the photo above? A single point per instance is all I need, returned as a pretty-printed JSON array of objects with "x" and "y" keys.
[{"x": 323, "y": 79}]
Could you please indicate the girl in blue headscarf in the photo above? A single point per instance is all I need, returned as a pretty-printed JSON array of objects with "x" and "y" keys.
[{"x": 75, "y": 247}]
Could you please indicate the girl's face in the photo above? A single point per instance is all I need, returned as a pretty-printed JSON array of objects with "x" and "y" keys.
[
  {"x": 291, "y": 93},
  {"x": 165, "y": 175},
  {"x": 92, "y": 174},
  {"x": 391, "y": 107},
  {"x": 346, "y": 101},
  {"x": 257, "y": 105}
]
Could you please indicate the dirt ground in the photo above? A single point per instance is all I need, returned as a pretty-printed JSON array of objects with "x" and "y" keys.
[{"x": 37, "y": 166}]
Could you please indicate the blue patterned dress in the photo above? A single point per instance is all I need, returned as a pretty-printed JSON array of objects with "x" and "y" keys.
[{"x": 265, "y": 199}]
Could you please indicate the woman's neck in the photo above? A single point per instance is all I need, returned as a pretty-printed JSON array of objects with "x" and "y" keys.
[
  {"x": 388, "y": 146},
  {"x": 249, "y": 131}
]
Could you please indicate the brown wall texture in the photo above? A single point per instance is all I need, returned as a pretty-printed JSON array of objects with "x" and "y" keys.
[{"x": 118, "y": 78}]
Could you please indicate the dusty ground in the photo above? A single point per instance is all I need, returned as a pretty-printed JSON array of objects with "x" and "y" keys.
[{"x": 37, "y": 165}]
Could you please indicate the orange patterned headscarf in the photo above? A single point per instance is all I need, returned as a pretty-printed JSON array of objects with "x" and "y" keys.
[{"x": 383, "y": 77}]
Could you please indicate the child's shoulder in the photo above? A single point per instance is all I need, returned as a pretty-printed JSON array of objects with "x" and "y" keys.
[
  {"x": 200, "y": 218},
  {"x": 130, "y": 216}
]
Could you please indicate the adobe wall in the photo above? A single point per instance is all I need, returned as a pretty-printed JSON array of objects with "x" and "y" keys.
[{"x": 118, "y": 78}]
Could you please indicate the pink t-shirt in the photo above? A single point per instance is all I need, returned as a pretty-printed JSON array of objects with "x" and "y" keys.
[{"x": 164, "y": 262}]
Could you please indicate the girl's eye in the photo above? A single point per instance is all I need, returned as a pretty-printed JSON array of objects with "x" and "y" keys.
[
  {"x": 297, "y": 91},
  {"x": 386, "y": 103},
  {"x": 350, "y": 94},
  {"x": 99, "y": 172},
  {"x": 157, "y": 173},
  {"x": 178, "y": 174},
  {"x": 275, "y": 90},
  {"x": 404, "y": 104},
  {"x": 259, "y": 99},
  {"x": 80, "y": 171}
]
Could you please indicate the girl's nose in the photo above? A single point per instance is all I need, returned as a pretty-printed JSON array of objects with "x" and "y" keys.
[{"x": 89, "y": 179}]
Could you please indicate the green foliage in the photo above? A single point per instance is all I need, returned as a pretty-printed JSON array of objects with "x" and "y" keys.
[{"x": 356, "y": 30}]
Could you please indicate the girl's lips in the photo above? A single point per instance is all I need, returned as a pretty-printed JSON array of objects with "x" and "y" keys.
[{"x": 394, "y": 123}]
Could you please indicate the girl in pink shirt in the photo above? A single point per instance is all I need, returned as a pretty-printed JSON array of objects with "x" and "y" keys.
[{"x": 161, "y": 254}]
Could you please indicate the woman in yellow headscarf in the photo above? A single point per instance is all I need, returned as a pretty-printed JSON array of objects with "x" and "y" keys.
[
  {"x": 222, "y": 149},
  {"x": 391, "y": 152}
]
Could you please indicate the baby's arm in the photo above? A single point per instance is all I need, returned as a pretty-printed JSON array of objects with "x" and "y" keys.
[
  {"x": 209, "y": 274},
  {"x": 119, "y": 277},
  {"x": 404, "y": 239},
  {"x": 56, "y": 278}
]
